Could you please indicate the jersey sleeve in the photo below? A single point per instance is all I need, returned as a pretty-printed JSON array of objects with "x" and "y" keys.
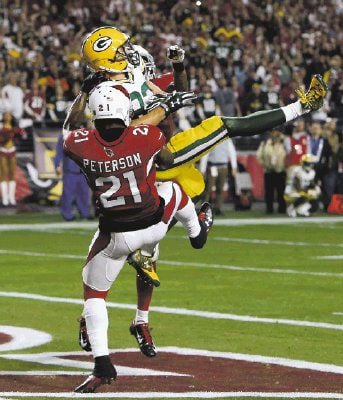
[{"x": 157, "y": 138}]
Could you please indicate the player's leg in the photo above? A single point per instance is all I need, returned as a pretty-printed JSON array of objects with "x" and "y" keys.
[
  {"x": 100, "y": 271},
  {"x": 12, "y": 161},
  {"x": 3, "y": 181}
]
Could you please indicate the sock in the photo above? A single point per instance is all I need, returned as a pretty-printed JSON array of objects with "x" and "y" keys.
[
  {"x": 189, "y": 219},
  {"x": 142, "y": 317},
  {"x": 4, "y": 193},
  {"x": 293, "y": 111},
  {"x": 96, "y": 316},
  {"x": 11, "y": 192}
]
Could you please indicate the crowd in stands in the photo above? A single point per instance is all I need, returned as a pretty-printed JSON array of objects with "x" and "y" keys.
[{"x": 245, "y": 55}]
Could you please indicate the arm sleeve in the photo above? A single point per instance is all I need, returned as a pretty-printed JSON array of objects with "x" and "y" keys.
[{"x": 255, "y": 123}]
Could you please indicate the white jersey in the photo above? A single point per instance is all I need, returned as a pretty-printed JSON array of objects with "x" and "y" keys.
[
  {"x": 137, "y": 88},
  {"x": 301, "y": 180}
]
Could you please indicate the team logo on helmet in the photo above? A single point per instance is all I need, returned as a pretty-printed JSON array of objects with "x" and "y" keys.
[{"x": 102, "y": 43}]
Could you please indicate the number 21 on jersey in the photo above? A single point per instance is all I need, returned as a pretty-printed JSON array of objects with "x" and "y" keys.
[{"x": 116, "y": 184}]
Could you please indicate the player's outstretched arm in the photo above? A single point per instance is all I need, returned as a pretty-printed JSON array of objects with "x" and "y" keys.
[
  {"x": 261, "y": 121},
  {"x": 176, "y": 55}
]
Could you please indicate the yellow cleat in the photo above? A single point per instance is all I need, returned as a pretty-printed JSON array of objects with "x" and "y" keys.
[
  {"x": 144, "y": 267},
  {"x": 312, "y": 100}
]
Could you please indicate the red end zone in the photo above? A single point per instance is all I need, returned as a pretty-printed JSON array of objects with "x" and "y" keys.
[{"x": 205, "y": 372}]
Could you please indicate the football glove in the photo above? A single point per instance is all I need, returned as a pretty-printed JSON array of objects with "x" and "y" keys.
[
  {"x": 155, "y": 101},
  {"x": 92, "y": 80},
  {"x": 176, "y": 100},
  {"x": 312, "y": 100},
  {"x": 175, "y": 54}
]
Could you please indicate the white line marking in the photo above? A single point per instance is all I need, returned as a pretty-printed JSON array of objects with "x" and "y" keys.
[
  {"x": 56, "y": 358},
  {"x": 218, "y": 222},
  {"x": 337, "y": 313},
  {"x": 340, "y": 257},
  {"x": 182, "y": 311},
  {"x": 184, "y": 263},
  {"x": 185, "y": 395},
  {"x": 262, "y": 241},
  {"x": 43, "y": 373},
  {"x": 48, "y": 359},
  {"x": 23, "y": 338}
]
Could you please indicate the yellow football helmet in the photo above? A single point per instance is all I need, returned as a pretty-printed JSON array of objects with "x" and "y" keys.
[
  {"x": 308, "y": 161},
  {"x": 108, "y": 49}
]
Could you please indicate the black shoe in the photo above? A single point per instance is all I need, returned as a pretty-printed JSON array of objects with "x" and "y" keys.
[
  {"x": 205, "y": 217},
  {"x": 142, "y": 334},
  {"x": 103, "y": 374},
  {"x": 83, "y": 336}
]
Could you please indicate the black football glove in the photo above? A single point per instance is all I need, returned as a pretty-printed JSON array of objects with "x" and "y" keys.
[
  {"x": 176, "y": 100},
  {"x": 155, "y": 101},
  {"x": 93, "y": 80}
]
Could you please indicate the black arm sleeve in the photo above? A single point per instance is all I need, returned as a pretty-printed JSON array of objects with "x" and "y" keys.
[{"x": 254, "y": 124}]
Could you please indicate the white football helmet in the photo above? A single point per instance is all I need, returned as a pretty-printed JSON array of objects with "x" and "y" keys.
[{"x": 110, "y": 102}]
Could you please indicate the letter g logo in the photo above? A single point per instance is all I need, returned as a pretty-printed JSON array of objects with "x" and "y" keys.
[{"x": 102, "y": 44}]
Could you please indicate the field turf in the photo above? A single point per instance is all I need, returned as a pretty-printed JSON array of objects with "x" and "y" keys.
[{"x": 257, "y": 277}]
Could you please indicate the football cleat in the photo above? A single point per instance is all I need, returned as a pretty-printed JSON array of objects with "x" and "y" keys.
[
  {"x": 205, "y": 216},
  {"x": 313, "y": 99},
  {"x": 103, "y": 374},
  {"x": 83, "y": 336},
  {"x": 143, "y": 336},
  {"x": 144, "y": 266}
]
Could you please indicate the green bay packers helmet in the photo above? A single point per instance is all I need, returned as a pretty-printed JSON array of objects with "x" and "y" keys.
[
  {"x": 307, "y": 161},
  {"x": 108, "y": 49}
]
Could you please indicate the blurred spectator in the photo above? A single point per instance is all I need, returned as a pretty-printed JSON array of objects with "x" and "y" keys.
[
  {"x": 207, "y": 106},
  {"x": 297, "y": 145},
  {"x": 14, "y": 95},
  {"x": 272, "y": 154},
  {"x": 256, "y": 100},
  {"x": 8, "y": 159},
  {"x": 75, "y": 187},
  {"x": 34, "y": 104},
  {"x": 215, "y": 167},
  {"x": 226, "y": 99}
]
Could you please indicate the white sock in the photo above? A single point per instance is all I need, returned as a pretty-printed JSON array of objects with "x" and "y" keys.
[
  {"x": 142, "y": 317},
  {"x": 189, "y": 219},
  {"x": 95, "y": 312},
  {"x": 293, "y": 111},
  {"x": 11, "y": 192},
  {"x": 4, "y": 193}
]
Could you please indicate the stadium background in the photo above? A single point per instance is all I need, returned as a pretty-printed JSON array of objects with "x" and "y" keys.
[{"x": 277, "y": 45}]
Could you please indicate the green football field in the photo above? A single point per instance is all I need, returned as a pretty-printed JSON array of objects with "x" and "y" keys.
[{"x": 260, "y": 287}]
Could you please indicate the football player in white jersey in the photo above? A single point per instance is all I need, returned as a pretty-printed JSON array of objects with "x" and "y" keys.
[{"x": 302, "y": 191}]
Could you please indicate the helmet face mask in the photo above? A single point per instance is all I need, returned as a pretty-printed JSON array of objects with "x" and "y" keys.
[
  {"x": 108, "y": 49},
  {"x": 149, "y": 63}
]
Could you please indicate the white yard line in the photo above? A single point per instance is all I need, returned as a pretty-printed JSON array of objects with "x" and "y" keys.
[
  {"x": 340, "y": 257},
  {"x": 182, "y": 311},
  {"x": 184, "y": 395},
  {"x": 337, "y": 313},
  {"x": 186, "y": 264},
  {"x": 218, "y": 222}
]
